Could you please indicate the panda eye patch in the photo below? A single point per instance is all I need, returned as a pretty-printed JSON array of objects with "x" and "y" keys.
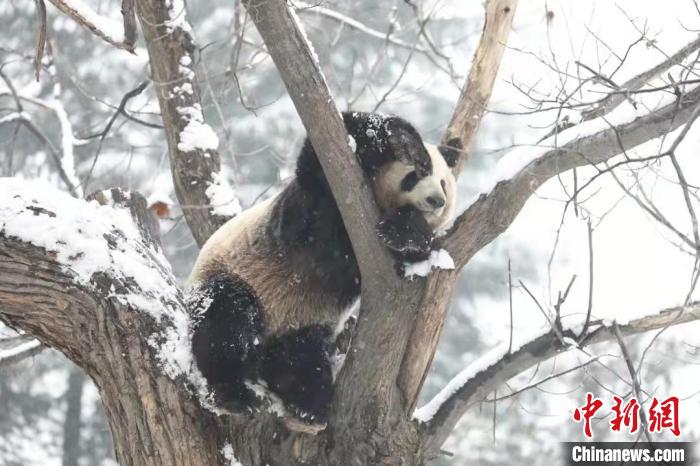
[{"x": 409, "y": 181}]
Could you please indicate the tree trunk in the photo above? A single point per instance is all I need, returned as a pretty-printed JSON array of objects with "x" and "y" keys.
[{"x": 72, "y": 423}]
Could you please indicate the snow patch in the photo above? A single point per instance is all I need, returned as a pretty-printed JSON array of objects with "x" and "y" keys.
[
  {"x": 227, "y": 452},
  {"x": 88, "y": 238},
  {"x": 352, "y": 143},
  {"x": 426, "y": 412},
  {"x": 19, "y": 349},
  {"x": 197, "y": 135},
  {"x": 222, "y": 197},
  {"x": 439, "y": 259},
  {"x": 111, "y": 28},
  {"x": 176, "y": 13}
]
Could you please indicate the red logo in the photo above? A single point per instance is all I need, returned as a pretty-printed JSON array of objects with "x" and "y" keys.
[
  {"x": 662, "y": 415},
  {"x": 586, "y": 412}
]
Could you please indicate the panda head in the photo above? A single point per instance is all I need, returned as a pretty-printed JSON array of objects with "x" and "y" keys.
[
  {"x": 405, "y": 171},
  {"x": 429, "y": 187}
]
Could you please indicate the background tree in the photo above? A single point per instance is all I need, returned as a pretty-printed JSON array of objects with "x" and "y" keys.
[{"x": 73, "y": 309}]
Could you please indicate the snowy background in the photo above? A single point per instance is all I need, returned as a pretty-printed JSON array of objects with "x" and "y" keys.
[{"x": 639, "y": 268}]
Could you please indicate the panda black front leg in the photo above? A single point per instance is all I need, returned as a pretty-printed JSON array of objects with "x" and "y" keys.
[
  {"x": 406, "y": 232},
  {"x": 297, "y": 368},
  {"x": 226, "y": 340}
]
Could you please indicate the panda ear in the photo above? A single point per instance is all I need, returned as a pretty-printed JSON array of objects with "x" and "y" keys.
[
  {"x": 407, "y": 146},
  {"x": 451, "y": 151}
]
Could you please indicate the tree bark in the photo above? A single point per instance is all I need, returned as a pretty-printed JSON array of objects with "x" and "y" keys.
[
  {"x": 73, "y": 423},
  {"x": 169, "y": 39}
]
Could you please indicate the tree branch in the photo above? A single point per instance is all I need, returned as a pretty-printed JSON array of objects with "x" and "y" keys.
[
  {"x": 460, "y": 134},
  {"x": 307, "y": 8},
  {"x": 491, "y": 214},
  {"x": 78, "y": 277},
  {"x": 307, "y": 87},
  {"x": 105, "y": 28},
  {"x": 444, "y": 411},
  {"x": 206, "y": 199},
  {"x": 616, "y": 98},
  {"x": 366, "y": 387},
  {"x": 476, "y": 92}
]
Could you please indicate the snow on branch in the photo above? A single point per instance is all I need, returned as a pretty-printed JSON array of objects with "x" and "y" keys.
[
  {"x": 67, "y": 161},
  {"x": 519, "y": 173},
  {"x": 107, "y": 29},
  {"x": 92, "y": 243},
  {"x": 616, "y": 98},
  {"x": 201, "y": 187},
  {"x": 22, "y": 351},
  {"x": 440, "y": 415}
]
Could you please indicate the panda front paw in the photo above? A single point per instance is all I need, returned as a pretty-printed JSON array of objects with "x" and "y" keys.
[{"x": 406, "y": 232}]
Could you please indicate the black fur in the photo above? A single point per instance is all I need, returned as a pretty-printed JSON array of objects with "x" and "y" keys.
[
  {"x": 380, "y": 138},
  {"x": 229, "y": 348},
  {"x": 296, "y": 367},
  {"x": 229, "y": 340},
  {"x": 409, "y": 181},
  {"x": 451, "y": 151},
  {"x": 407, "y": 233},
  {"x": 227, "y": 335}
]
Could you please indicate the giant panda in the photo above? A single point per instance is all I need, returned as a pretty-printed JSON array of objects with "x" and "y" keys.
[{"x": 269, "y": 286}]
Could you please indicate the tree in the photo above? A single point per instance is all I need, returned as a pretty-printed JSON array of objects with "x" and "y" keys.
[{"x": 104, "y": 296}]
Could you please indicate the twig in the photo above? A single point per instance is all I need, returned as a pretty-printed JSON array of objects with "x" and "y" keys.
[
  {"x": 40, "y": 37},
  {"x": 510, "y": 306},
  {"x": 635, "y": 380},
  {"x": 99, "y": 27},
  {"x": 129, "y": 15},
  {"x": 120, "y": 110},
  {"x": 590, "y": 283}
]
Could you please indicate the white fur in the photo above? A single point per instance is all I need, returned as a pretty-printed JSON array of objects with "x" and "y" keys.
[{"x": 390, "y": 196}]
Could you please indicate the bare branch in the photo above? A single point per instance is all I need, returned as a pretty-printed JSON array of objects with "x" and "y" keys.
[
  {"x": 616, "y": 98},
  {"x": 307, "y": 8},
  {"x": 491, "y": 214},
  {"x": 477, "y": 89},
  {"x": 40, "y": 36},
  {"x": 103, "y": 134},
  {"x": 207, "y": 201},
  {"x": 634, "y": 376},
  {"x": 104, "y": 28},
  {"x": 450, "y": 407},
  {"x": 129, "y": 15}
]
